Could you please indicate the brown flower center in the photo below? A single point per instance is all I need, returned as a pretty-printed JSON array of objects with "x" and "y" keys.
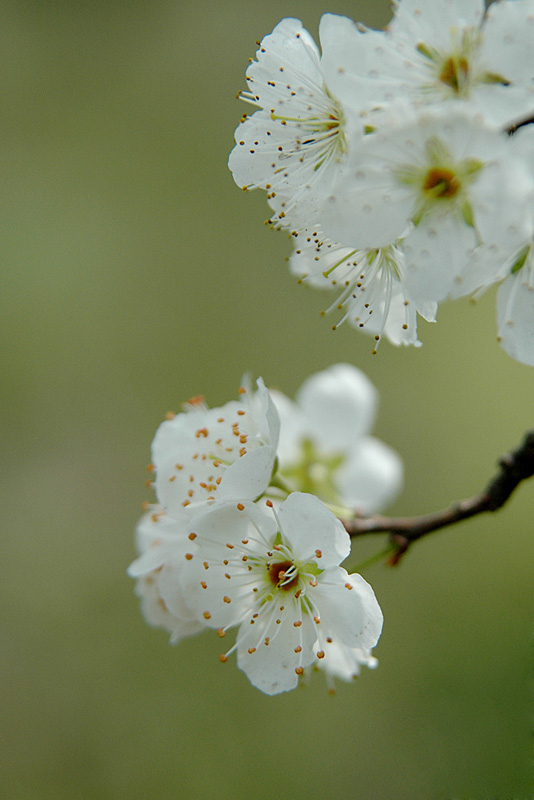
[
  {"x": 278, "y": 574},
  {"x": 441, "y": 182}
]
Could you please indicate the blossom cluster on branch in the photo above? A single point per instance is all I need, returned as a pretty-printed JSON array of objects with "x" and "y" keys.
[
  {"x": 242, "y": 535},
  {"x": 387, "y": 157}
]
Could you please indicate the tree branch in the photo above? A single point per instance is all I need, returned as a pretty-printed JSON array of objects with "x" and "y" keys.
[
  {"x": 520, "y": 124},
  {"x": 514, "y": 468}
]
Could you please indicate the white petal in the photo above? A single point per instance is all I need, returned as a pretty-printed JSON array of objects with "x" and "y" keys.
[
  {"x": 271, "y": 667},
  {"x": 293, "y": 428},
  {"x": 345, "y": 662},
  {"x": 249, "y": 476},
  {"x": 367, "y": 207},
  {"x": 159, "y": 538},
  {"x": 371, "y": 478},
  {"x": 508, "y": 36},
  {"x": 437, "y": 252},
  {"x": 310, "y": 528},
  {"x": 340, "y": 405},
  {"x": 351, "y": 615},
  {"x": 430, "y": 22},
  {"x": 515, "y": 316}
]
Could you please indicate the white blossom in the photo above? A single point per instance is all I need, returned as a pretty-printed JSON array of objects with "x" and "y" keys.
[
  {"x": 295, "y": 142},
  {"x": 439, "y": 180},
  {"x": 325, "y": 447},
  {"x": 452, "y": 51},
  {"x": 203, "y": 454},
  {"x": 276, "y": 576}
]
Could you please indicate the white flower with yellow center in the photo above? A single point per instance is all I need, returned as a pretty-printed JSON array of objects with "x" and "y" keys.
[
  {"x": 325, "y": 447},
  {"x": 205, "y": 454},
  {"x": 277, "y": 577},
  {"x": 294, "y": 144},
  {"x": 451, "y": 50},
  {"x": 439, "y": 180}
]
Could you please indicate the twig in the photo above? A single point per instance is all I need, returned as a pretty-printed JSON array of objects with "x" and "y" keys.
[
  {"x": 520, "y": 124},
  {"x": 514, "y": 468}
]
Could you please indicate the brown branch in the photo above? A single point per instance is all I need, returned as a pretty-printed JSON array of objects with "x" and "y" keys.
[
  {"x": 520, "y": 124},
  {"x": 514, "y": 468}
]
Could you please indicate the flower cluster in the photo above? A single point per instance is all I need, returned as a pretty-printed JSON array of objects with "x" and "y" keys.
[
  {"x": 243, "y": 535},
  {"x": 387, "y": 155}
]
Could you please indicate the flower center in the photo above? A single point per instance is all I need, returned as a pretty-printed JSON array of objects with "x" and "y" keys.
[
  {"x": 441, "y": 182},
  {"x": 283, "y": 574},
  {"x": 455, "y": 72},
  {"x": 315, "y": 472}
]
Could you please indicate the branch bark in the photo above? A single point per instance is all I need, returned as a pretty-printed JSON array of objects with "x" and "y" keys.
[{"x": 515, "y": 467}]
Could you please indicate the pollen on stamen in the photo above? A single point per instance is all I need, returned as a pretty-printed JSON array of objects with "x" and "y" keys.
[
  {"x": 188, "y": 556},
  {"x": 299, "y": 670},
  {"x": 204, "y": 584},
  {"x": 348, "y": 586},
  {"x": 223, "y": 658},
  {"x": 226, "y": 599},
  {"x": 205, "y": 565},
  {"x": 251, "y": 650},
  {"x": 297, "y": 623},
  {"x": 298, "y": 649},
  {"x": 318, "y": 553},
  {"x": 150, "y": 467},
  {"x": 170, "y": 415},
  {"x": 266, "y": 641},
  {"x": 221, "y": 632},
  {"x": 316, "y": 620},
  {"x": 269, "y": 503},
  {"x": 240, "y": 507},
  {"x": 320, "y": 654},
  {"x": 206, "y": 615}
]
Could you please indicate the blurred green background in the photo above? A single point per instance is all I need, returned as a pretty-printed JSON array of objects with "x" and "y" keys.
[{"x": 137, "y": 275}]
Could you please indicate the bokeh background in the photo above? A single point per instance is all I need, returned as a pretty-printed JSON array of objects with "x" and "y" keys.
[{"x": 136, "y": 275}]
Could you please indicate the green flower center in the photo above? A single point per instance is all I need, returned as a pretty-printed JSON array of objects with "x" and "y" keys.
[{"x": 455, "y": 72}]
